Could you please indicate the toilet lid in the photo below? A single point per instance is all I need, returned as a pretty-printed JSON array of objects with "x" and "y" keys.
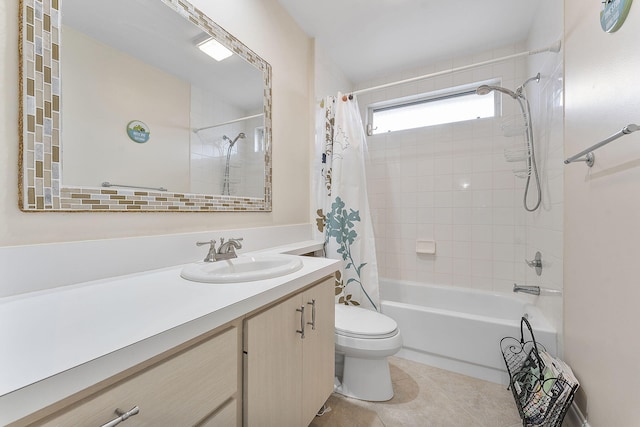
[{"x": 361, "y": 323}]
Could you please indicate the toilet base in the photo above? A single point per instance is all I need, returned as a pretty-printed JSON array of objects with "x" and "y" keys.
[{"x": 366, "y": 379}]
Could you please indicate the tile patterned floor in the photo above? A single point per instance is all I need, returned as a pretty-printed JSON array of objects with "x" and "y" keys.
[{"x": 427, "y": 397}]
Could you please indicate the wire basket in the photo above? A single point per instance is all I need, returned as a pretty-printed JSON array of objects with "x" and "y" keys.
[{"x": 543, "y": 387}]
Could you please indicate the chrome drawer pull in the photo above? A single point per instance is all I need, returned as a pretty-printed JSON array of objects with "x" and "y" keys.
[
  {"x": 302, "y": 322},
  {"x": 313, "y": 314},
  {"x": 122, "y": 416}
]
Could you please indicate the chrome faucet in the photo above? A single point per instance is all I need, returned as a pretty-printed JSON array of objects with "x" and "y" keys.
[
  {"x": 211, "y": 255},
  {"x": 227, "y": 250},
  {"x": 532, "y": 290}
]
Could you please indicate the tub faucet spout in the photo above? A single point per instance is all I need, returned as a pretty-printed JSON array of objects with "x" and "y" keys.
[{"x": 532, "y": 290}]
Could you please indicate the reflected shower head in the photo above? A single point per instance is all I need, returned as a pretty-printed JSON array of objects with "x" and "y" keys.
[
  {"x": 231, "y": 143},
  {"x": 486, "y": 89},
  {"x": 240, "y": 135}
]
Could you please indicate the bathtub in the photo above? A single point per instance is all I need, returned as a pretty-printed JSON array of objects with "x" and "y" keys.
[{"x": 460, "y": 329}]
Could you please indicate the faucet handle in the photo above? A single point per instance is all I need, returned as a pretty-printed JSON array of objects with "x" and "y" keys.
[
  {"x": 533, "y": 262},
  {"x": 211, "y": 255},
  {"x": 210, "y": 242},
  {"x": 536, "y": 263}
]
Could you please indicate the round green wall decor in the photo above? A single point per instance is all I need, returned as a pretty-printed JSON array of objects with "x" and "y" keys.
[
  {"x": 138, "y": 131},
  {"x": 613, "y": 14}
]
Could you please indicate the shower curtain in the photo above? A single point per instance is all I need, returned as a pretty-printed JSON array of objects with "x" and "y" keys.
[{"x": 342, "y": 213}]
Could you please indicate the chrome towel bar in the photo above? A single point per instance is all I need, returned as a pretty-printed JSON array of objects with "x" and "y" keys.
[
  {"x": 108, "y": 184},
  {"x": 589, "y": 157}
]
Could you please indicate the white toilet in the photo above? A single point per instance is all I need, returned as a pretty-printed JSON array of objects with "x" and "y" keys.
[{"x": 364, "y": 338}]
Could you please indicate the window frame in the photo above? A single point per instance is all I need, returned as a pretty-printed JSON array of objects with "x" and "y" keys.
[{"x": 433, "y": 96}]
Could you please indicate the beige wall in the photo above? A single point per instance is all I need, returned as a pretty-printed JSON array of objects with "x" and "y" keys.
[
  {"x": 123, "y": 88},
  {"x": 602, "y": 212},
  {"x": 328, "y": 78},
  {"x": 270, "y": 32}
]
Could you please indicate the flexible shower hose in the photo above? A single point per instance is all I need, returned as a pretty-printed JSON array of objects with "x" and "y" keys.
[{"x": 533, "y": 167}]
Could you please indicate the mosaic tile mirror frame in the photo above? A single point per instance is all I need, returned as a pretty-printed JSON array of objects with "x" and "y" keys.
[{"x": 40, "y": 151}]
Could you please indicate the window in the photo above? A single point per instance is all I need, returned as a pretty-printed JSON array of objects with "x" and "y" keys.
[{"x": 453, "y": 105}]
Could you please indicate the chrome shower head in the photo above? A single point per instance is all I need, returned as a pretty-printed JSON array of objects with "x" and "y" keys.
[
  {"x": 486, "y": 89},
  {"x": 520, "y": 88},
  {"x": 536, "y": 78},
  {"x": 240, "y": 135}
]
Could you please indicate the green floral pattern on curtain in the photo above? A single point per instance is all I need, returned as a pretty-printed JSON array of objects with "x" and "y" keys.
[{"x": 342, "y": 211}]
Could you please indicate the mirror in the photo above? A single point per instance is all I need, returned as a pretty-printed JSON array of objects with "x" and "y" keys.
[{"x": 128, "y": 114}]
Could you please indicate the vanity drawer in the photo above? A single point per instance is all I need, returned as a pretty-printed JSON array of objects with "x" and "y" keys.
[
  {"x": 225, "y": 416},
  {"x": 182, "y": 390}
]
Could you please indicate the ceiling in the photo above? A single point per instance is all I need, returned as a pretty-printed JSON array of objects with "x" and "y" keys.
[
  {"x": 373, "y": 38},
  {"x": 166, "y": 40}
]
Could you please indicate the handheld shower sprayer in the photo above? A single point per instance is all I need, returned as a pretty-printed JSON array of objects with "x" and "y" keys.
[
  {"x": 486, "y": 89},
  {"x": 532, "y": 167}
]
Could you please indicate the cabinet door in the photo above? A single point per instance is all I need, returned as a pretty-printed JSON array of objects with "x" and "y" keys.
[
  {"x": 180, "y": 391},
  {"x": 318, "y": 348},
  {"x": 273, "y": 365}
]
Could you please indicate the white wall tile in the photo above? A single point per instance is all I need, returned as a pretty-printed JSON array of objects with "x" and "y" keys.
[
  {"x": 451, "y": 183},
  {"x": 503, "y": 233},
  {"x": 444, "y": 249},
  {"x": 462, "y": 250},
  {"x": 482, "y": 251},
  {"x": 443, "y": 232},
  {"x": 482, "y": 233},
  {"x": 442, "y": 215},
  {"x": 443, "y": 199},
  {"x": 462, "y": 199},
  {"x": 462, "y": 233}
]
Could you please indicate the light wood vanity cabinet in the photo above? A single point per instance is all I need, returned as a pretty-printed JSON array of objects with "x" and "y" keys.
[
  {"x": 198, "y": 386},
  {"x": 287, "y": 378}
]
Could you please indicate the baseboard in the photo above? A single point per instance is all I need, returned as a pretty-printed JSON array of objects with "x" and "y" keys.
[
  {"x": 575, "y": 418},
  {"x": 469, "y": 369}
]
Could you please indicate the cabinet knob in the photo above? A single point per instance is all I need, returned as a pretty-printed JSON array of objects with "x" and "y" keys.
[
  {"x": 313, "y": 314},
  {"x": 302, "y": 322},
  {"x": 122, "y": 416}
]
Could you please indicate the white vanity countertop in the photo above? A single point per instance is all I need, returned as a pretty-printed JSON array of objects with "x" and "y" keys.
[{"x": 60, "y": 341}]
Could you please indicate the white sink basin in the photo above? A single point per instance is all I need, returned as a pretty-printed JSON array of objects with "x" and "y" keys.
[{"x": 242, "y": 269}]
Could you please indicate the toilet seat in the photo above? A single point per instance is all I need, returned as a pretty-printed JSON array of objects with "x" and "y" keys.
[{"x": 355, "y": 322}]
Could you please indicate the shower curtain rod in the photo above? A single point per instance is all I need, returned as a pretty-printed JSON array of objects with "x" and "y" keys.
[
  {"x": 555, "y": 47},
  {"x": 196, "y": 130}
]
